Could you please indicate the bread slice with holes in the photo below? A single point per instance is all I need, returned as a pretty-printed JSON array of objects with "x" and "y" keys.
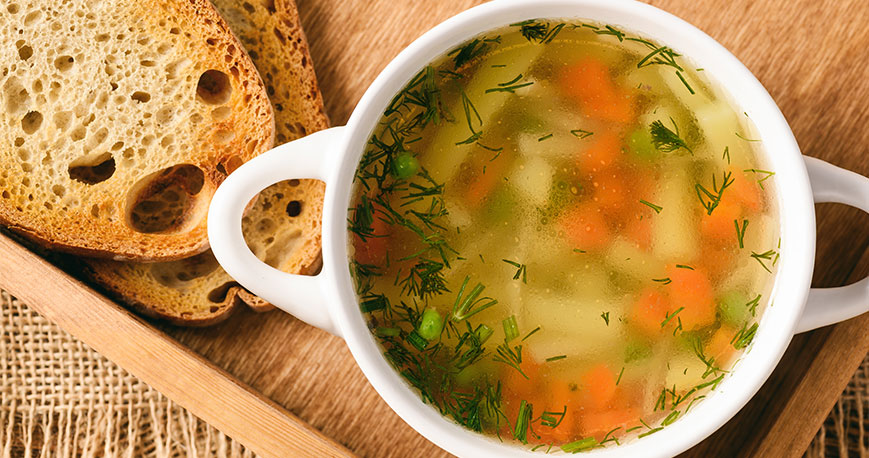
[
  {"x": 283, "y": 227},
  {"x": 118, "y": 120}
]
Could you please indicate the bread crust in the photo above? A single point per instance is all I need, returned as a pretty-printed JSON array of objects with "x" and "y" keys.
[{"x": 48, "y": 204}]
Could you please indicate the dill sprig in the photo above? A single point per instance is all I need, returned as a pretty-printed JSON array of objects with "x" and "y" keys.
[
  {"x": 606, "y": 317},
  {"x": 663, "y": 281},
  {"x": 726, "y": 155},
  {"x": 425, "y": 279},
  {"x": 770, "y": 255},
  {"x": 552, "y": 419},
  {"x": 744, "y": 337},
  {"x": 657, "y": 208},
  {"x": 537, "y": 31},
  {"x": 752, "y": 305},
  {"x": 709, "y": 361},
  {"x": 762, "y": 175},
  {"x": 581, "y": 134},
  {"x": 662, "y": 55},
  {"x": 710, "y": 200},
  {"x": 740, "y": 234},
  {"x": 471, "y": 50},
  {"x": 521, "y": 270},
  {"x": 556, "y": 358},
  {"x": 669, "y": 317},
  {"x": 610, "y": 30},
  {"x": 511, "y": 356},
  {"x": 666, "y": 140},
  {"x": 510, "y": 86}
]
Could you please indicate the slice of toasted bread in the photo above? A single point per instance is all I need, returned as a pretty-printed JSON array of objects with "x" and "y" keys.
[
  {"x": 283, "y": 227},
  {"x": 118, "y": 120}
]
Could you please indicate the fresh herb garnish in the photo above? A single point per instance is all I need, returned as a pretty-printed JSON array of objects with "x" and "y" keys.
[
  {"x": 740, "y": 234},
  {"x": 744, "y": 337},
  {"x": 471, "y": 50},
  {"x": 746, "y": 139},
  {"x": 552, "y": 419},
  {"x": 726, "y": 155},
  {"x": 581, "y": 134},
  {"x": 537, "y": 31},
  {"x": 620, "y": 376},
  {"x": 556, "y": 358},
  {"x": 670, "y": 316},
  {"x": 511, "y": 356},
  {"x": 577, "y": 250},
  {"x": 765, "y": 256},
  {"x": 666, "y": 140},
  {"x": 683, "y": 266},
  {"x": 766, "y": 175},
  {"x": 610, "y": 30},
  {"x": 752, "y": 305},
  {"x": 711, "y": 200},
  {"x": 652, "y": 206},
  {"x": 531, "y": 333},
  {"x": 521, "y": 270},
  {"x": 545, "y": 137},
  {"x": 665, "y": 281},
  {"x": 374, "y": 303},
  {"x": 606, "y": 317}
]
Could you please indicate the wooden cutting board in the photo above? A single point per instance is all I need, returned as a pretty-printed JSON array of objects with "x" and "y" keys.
[{"x": 273, "y": 382}]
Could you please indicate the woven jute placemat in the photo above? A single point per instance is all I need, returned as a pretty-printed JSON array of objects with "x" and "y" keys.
[{"x": 59, "y": 398}]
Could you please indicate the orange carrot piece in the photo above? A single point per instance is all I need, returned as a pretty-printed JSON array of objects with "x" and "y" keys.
[
  {"x": 719, "y": 346},
  {"x": 744, "y": 190},
  {"x": 649, "y": 312},
  {"x": 604, "y": 152},
  {"x": 585, "y": 228},
  {"x": 589, "y": 82},
  {"x": 692, "y": 291},
  {"x": 639, "y": 230},
  {"x": 610, "y": 192},
  {"x": 483, "y": 184},
  {"x": 719, "y": 225},
  {"x": 598, "y": 387}
]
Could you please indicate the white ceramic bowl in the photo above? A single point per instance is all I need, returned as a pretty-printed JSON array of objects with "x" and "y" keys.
[{"x": 328, "y": 300}]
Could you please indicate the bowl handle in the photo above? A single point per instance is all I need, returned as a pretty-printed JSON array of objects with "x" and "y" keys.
[
  {"x": 826, "y": 306},
  {"x": 301, "y": 296}
]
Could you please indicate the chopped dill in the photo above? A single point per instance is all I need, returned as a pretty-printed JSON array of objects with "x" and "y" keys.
[
  {"x": 609, "y": 438},
  {"x": 657, "y": 208},
  {"x": 670, "y": 316},
  {"x": 577, "y": 250},
  {"x": 511, "y": 356},
  {"x": 666, "y": 140},
  {"x": 499, "y": 66},
  {"x": 711, "y": 199},
  {"x": 373, "y": 303},
  {"x": 531, "y": 333},
  {"x": 622, "y": 372},
  {"x": 556, "y": 358},
  {"x": 521, "y": 270},
  {"x": 664, "y": 281},
  {"x": 683, "y": 266},
  {"x": 537, "y": 31},
  {"x": 726, "y": 155},
  {"x": 425, "y": 279},
  {"x": 471, "y": 50},
  {"x": 740, "y": 234},
  {"x": 682, "y": 79},
  {"x": 511, "y": 82},
  {"x": 766, "y": 175},
  {"x": 629, "y": 430},
  {"x": 746, "y": 139},
  {"x": 752, "y": 305},
  {"x": 606, "y": 317},
  {"x": 471, "y": 113},
  {"x": 765, "y": 256},
  {"x": 650, "y": 432},
  {"x": 581, "y": 134},
  {"x": 545, "y": 137},
  {"x": 511, "y": 88},
  {"x": 709, "y": 361},
  {"x": 744, "y": 337},
  {"x": 610, "y": 30},
  {"x": 674, "y": 415}
]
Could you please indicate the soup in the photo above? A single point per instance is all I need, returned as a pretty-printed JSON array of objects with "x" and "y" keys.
[{"x": 563, "y": 235}]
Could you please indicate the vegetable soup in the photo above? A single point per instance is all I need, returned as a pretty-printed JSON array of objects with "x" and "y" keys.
[{"x": 563, "y": 235}]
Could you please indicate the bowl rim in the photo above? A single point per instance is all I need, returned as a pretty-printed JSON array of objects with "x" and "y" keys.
[{"x": 796, "y": 211}]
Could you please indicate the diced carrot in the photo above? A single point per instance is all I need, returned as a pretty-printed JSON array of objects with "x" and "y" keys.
[
  {"x": 719, "y": 225},
  {"x": 649, "y": 312},
  {"x": 599, "y": 422},
  {"x": 597, "y": 387},
  {"x": 585, "y": 228},
  {"x": 717, "y": 259},
  {"x": 719, "y": 346},
  {"x": 372, "y": 251},
  {"x": 589, "y": 82},
  {"x": 691, "y": 290},
  {"x": 483, "y": 184},
  {"x": 605, "y": 151},
  {"x": 744, "y": 190},
  {"x": 639, "y": 230},
  {"x": 610, "y": 192}
]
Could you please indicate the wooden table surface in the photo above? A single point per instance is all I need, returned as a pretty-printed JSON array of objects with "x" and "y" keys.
[{"x": 810, "y": 54}]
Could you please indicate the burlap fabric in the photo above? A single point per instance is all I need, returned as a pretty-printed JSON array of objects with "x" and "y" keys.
[{"x": 59, "y": 398}]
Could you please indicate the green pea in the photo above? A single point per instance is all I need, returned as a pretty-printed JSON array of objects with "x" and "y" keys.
[
  {"x": 430, "y": 325},
  {"x": 404, "y": 166},
  {"x": 733, "y": 309}
]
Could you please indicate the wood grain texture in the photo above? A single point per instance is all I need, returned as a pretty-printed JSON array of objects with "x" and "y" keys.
[
  {"x": 803, "y": 51},
  {"x": 809, "y": 54},
  {"x": 204, "y": 389}
]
